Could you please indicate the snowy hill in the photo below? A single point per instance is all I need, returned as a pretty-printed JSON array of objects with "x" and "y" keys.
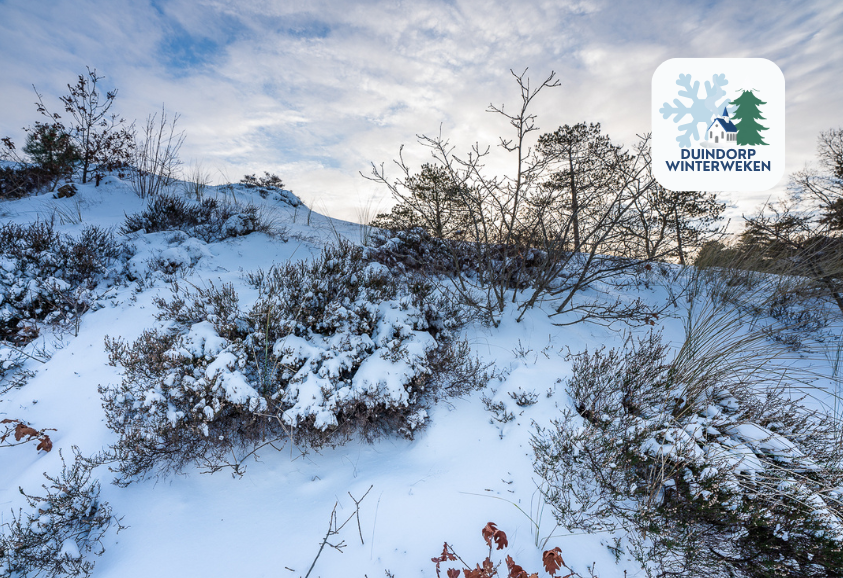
[{"x": 470, "y": 462}]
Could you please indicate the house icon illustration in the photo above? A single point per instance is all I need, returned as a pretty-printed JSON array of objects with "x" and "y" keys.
[{"x": 721, "y": 132}]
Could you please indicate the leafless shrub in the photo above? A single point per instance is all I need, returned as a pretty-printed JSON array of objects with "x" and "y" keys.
[
  {"x": 196, "y": 181},
  {"x": 62, "y": 528},
  {"x": 155, "y": 158}
]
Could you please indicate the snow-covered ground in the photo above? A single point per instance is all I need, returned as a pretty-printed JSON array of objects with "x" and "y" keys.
[{"x": 464, "y": 470}]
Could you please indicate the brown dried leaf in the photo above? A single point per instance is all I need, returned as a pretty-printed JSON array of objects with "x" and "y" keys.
[
  {"x": 24, "y": 430},
  {"x": 453, "y": 573},
  {"x": 444, "y": 557},
  {"x": 46, "y": 444},
  {"x": 488, "y": 532},
  {"x": 552, "y": 561},
  {"x": 500, "y": 539},
  {"x": 515, "y": 571}
]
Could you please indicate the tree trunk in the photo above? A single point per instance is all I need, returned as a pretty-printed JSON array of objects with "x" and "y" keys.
[
  {"x": 678, "y": 233},
  {"x": 575, "y": 205}
]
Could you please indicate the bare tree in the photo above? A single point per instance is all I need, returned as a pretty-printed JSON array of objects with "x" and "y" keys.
[
  {"x": 550, "y": 228},
  {"x": 583, "y": 214},
  {"x": 492, "y": 204},
  {"x": 672, "y": 225}
]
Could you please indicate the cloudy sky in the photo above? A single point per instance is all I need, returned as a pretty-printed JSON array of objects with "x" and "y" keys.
[{"x": 316, "y": 91}]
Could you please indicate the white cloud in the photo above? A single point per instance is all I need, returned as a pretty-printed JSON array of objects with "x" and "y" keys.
[{"x": 316, "y": 91}]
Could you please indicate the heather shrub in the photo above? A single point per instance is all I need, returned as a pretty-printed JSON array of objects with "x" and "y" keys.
[
  {"x": 61, "y": 529},
  {"x": 47, "y": 276},
  {"x": 330, "y": 347},
  {"x": 209, "y": 219},
  {"x": 270, "y": 186},
  {"x": 12, "y": 372},
  {"x": 267, "y": 181},
  {"x": 417, "y": 250},
  {"x": 20, "y": 181},
  {"x": 702, "y": 460}
]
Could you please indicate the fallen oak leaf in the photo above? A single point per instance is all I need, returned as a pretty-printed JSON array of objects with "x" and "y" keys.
[
  {"x": 24, "y": 430},
  {"x": 444, "y": 557},
  {"x": 552, "y": 561},
  {"x": 515, "y": 571},
  {"x": 46, "y": 444},
  {"x": 500, "y": 540},
  {"x": 488, "y": 532}
]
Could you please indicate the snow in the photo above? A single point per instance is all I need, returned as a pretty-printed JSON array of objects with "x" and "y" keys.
[
  {"x": 764, "y": 440},
  {"x": 463, "y": 470},
  {"x": 70, "y": 549},
  {"x": 202, "y": 340}
]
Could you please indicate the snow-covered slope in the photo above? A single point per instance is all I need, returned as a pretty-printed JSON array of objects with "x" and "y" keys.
[{"x": 465, "y": 469}]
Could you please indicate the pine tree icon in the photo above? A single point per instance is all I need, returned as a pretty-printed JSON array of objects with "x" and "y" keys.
[{"x": 746, "y": 117}]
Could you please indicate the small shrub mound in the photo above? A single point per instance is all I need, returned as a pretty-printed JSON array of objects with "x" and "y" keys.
[
  {"x": 707, "y": 472},
  {"x": 48, "y": 276},
  {"x": 61, "y": 528},
  {"x": 331, "y": 347},
  {"x": 20, "y": 181},
  {"x": 208, "y": 219},
  {"x": 417, "y": 250},
  {"x": 12, "y": 373},
  {"x": 270, "y": 186}
]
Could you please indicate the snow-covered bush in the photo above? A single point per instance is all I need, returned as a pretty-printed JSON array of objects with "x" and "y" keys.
[
  {"x": 209, "y": 219},
  {"x": 48, "y": 276},
  {"x": 60, "y": 531},
  {"x": 21, "y": 180},
  {"x": 331, "y": 347},
  {"x": 417, "y": 250},
  {"x": 270, "y": 186},
  {"x": 12, "y": 374},
  {"x": 706, "y": 470}
]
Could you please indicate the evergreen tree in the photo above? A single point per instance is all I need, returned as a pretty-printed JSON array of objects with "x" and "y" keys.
[
  {"x": 586, "y": 163},
  {"x": 747, "y": 115},
  {"x": 52, "y": 149},
  {"x": 432, "y": 201}
]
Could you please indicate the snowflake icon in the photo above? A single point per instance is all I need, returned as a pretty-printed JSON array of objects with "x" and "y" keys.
[{"x": 701, "y": 110}]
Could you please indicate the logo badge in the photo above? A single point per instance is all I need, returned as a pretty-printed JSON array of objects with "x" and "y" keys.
[{"x": 718, "y": 124}]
